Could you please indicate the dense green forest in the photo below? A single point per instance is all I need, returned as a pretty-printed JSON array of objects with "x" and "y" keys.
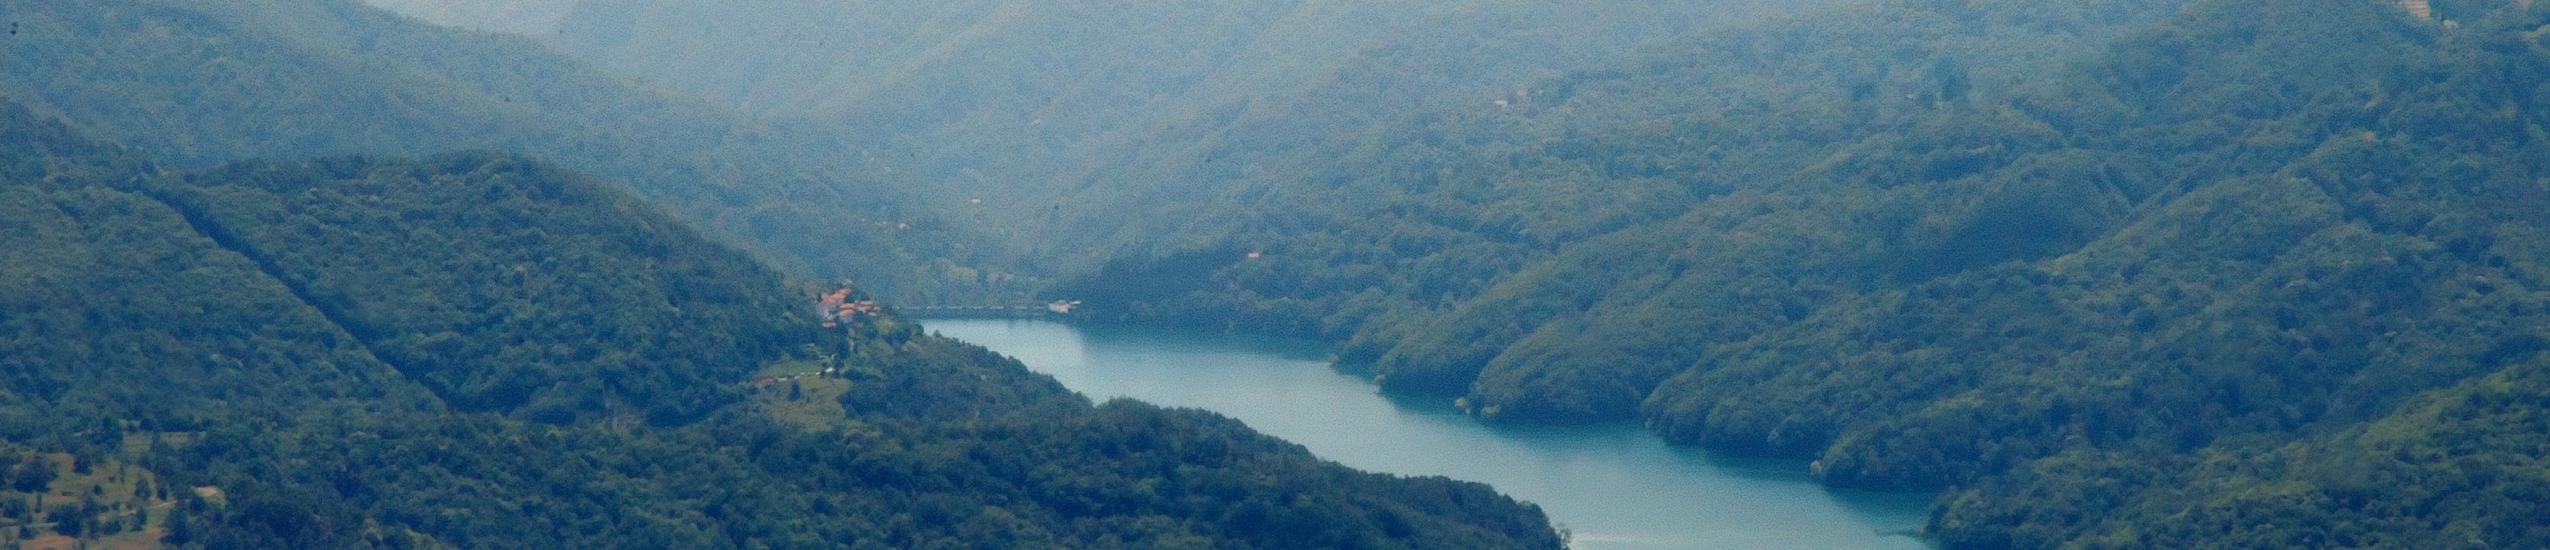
[
  {"x": 2131, "y": 274},
  {"x": 479, "y": 350},
  {"x": 2108, "y": 273},
  {"x": 193, "y": 84}
]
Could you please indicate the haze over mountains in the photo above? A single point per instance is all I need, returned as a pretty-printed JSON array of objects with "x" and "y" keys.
[
  {"x": 195, "y": 84},
  {"x": 1063, "y": 119},
  {"x": 2112, "y": 273}
]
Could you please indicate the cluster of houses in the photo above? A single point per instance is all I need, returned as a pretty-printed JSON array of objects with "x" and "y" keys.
[
  {"x": 2420, "y": 8},
  {"x": 837, "y": 308}
]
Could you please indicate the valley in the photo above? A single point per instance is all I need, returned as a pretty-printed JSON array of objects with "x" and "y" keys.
[{"x": 1840, "y": 273}]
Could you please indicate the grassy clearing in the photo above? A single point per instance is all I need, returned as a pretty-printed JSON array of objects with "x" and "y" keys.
[
  {"x": 798, "y": 392},
  {"x": 105, "y": 504}
]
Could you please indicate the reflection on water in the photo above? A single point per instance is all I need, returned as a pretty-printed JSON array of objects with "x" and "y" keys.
[{"x": 1612, "y": 486}]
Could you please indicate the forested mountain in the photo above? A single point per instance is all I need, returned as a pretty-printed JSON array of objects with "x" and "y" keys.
[
  {"x": 193, "y": 84},
  {"x": 477, "y": 350},
  {"x": 1094, "y": 126},
  {"x": 2107, "y": 273},
  {"x": 1423, "y": 221},
  {"x": 2140, "y": 273}
]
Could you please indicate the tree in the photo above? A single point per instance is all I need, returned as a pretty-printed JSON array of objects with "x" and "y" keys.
[
  {"x": 32, "y": 476},
  {"x": 68, "y": 520},
  {"x": 181, "y": 527}
]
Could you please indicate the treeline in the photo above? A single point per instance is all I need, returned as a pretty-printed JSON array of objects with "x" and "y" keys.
[{"x": 478, "y": 350}]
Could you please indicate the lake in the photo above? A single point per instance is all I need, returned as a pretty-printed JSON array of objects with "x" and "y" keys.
[{"x": 1612, "y": 487}]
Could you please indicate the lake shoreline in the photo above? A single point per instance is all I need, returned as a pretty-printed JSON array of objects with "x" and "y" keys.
[{"x": 1614, "y": 485}]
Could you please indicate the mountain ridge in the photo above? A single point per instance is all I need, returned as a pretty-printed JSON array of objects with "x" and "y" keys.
[{"x": 379, "y": 369}]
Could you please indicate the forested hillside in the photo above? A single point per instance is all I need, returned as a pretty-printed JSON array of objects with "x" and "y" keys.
[
  {"x": 2459, "y": 467},
  {"x": 1422, "y": 220},
  {"x": 481, "y": 351},
  {"x": 2125, "y": 266},
  {"x": 2105, "y": 273},
  {"x": 193, "y": 84},
  {"x": 619, "y": 308},
  {"x": 2003, "y": 247},
  {"x": 1070, "y": 127}
]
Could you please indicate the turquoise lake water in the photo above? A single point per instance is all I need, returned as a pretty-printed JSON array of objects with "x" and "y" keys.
[{"x": 1614, "y": 487}]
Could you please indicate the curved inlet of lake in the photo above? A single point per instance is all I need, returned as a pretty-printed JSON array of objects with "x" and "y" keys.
[{"x": 1612, "y": 487}]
